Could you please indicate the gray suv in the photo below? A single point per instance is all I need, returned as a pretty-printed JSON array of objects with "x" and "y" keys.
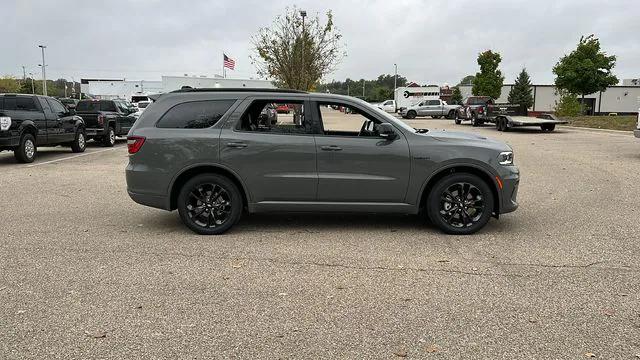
[{"x": 207, "y": 153}]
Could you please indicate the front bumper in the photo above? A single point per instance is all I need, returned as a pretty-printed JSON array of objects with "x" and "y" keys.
[
  {"x": 636, "y": 133},
  {"x": 510, "y": 185},
  {"x": 9, "y": 141}
]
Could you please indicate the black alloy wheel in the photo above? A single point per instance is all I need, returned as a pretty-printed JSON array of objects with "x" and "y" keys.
[
  {"x": 209, "y": 204},
  {"x": 460, "y": 204}
]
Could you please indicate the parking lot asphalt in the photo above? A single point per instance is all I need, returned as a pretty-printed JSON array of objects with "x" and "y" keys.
[{"x": 87, "y": 273}]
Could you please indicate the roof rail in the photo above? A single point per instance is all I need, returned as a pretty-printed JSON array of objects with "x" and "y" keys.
[{"x": 244, "y": 89}]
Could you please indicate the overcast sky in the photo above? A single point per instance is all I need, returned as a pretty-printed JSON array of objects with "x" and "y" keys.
[{"x": 433, "y": 42}]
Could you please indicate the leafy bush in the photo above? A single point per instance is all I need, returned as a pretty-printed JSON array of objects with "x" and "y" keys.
[{"x": 568, "y": 105}]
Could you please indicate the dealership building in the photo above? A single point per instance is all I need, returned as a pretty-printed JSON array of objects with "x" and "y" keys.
[
  {"x": 123, "y": 89},
  {"x": 623, "y": 99}
]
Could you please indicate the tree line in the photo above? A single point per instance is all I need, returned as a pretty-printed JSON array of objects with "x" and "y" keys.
[{"x": 55, "y": 88}]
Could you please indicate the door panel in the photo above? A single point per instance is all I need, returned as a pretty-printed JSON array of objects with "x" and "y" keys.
[
  {"x": 365, "y": 168},
  {"x": 273, "y": 166}
]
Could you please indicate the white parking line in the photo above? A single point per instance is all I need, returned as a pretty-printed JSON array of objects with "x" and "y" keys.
[{"x": 73, "y": 157}]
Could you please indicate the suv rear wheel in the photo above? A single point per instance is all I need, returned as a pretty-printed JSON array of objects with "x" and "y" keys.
[
  {"x": 209, "y": 204},
  {"x": 460, "y": 204},
  {"x": 26, "y": 150}
]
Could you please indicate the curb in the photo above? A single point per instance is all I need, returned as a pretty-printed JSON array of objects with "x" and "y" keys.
[{"x": 610, "y": 131}]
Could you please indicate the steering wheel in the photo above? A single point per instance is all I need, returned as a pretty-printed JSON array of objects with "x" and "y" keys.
[{"x": 363, "y": 129}]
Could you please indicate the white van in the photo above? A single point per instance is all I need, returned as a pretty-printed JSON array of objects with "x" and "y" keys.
[{"x": 409, "y": 96}]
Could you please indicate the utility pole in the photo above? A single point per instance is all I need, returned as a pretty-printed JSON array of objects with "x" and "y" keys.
[
  {"x": 44, "y": 71},
  {"x": 303, "y": 13},
  {"x": 348, "y": 94},
  {"x": 24, "y": 73},
  {"x": 362, "y": 89}
]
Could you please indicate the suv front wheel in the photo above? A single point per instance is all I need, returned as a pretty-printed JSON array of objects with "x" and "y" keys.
[
  {"x": 460, "y": 204},
  {"x": 209, "y": 204}
]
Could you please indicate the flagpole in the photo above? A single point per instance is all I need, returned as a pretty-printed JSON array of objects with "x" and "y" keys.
[{"x": 224, "y": 71}]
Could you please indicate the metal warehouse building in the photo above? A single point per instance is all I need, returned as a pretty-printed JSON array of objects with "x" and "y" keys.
[
  {"x": 123, "y": 89},
  {"x": 616, "y": 99}
]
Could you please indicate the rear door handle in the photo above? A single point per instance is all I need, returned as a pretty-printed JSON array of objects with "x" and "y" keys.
[
  {"x": 331, "y": 148},
  {"x": 237, "y": 145}
]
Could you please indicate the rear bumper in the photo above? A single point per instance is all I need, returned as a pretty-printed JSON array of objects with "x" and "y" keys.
[
  {"x": 636, "y": 133},
  {"x": 510, "y": 185},
  {"x": 95, "y": 131},
  {"x": 159, "y": 202}
]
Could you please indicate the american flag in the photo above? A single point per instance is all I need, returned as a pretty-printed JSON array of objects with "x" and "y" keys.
[{"x": 229, "y": 62}]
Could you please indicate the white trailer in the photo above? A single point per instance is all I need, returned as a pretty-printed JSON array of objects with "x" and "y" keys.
[{"x": 409, "y": 96}]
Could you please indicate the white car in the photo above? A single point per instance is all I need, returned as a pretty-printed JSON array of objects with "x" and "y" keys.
[
  {"x": 636, "y": 132},
  {"x": 388, "y": 106}
]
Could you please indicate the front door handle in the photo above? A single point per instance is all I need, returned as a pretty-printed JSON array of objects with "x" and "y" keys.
[
  {"x": 237, "y": 145},
  {"x": 331, "y": 148}
]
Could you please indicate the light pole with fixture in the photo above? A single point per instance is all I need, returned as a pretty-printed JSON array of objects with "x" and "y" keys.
[
  {"x": 44, "y": 71},
  {"x": 395, "y": 79},
  {"x": 33, "y": 87}
]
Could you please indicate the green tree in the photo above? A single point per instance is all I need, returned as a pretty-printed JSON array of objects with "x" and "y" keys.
[
  {"x": 586, "y": 69},
  {"x": 521, "y": 91},
  {"x": 467, "y": 80},
  {"x": 456, "y": 96},
  {"x": 488, "y": 82},
  {"x": 295, "y": 53},
  {"x": 568, "y": 105},
  {"x": 9, "y": 84}
]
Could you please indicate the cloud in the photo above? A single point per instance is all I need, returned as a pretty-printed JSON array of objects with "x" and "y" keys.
[{"x": 431, "y": 41}]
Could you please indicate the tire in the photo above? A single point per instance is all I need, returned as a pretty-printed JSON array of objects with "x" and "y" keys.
[
  {"x": 451, "y": 114},
  {"x": 26, "y": 151},
  {"x": 79, "y": 144},
  {"x": 110, "y": 139},
  {"x": 499, "y": 124},
  {"x": 227, "y": 206},
  {"x": 455, "y": 218},
  {"x": 411, "y": 114},
  {"x": 474, "y": 120},
  {"x": 457, "y": 119},
  {"x": 548, "y": 127}
]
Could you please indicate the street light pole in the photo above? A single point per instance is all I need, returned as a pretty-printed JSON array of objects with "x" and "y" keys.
[
  {"x": 362, "y": 89},
  {"x": 303, "y": 13},
  {"x": 395, "y": 79},
  {"x": 44, "y": 71},
  {"x": 33, "y": 87}
]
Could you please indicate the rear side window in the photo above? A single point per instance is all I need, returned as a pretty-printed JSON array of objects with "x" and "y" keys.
[
  {"x": 195, "y": 115},
  {"x": 88, "y": 105},
  {"x": 21, "y": 103}
]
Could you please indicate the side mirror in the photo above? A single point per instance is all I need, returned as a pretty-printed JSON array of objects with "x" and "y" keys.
[
  {"x": 387, "y": 131},
  {"x": 72, "y": 111}
]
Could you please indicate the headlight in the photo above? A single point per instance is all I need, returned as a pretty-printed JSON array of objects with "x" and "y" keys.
[
  {"x": 5, "y": 123},
  {"x": 505, "y": 158}
]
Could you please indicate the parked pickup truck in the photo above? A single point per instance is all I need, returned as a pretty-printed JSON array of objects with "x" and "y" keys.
[
  {"x": 481, "y": 109},
  {"x": 106, "y": 119},
  {"x": 434, "y": 108},
  {"x": 29, "y": 121}
]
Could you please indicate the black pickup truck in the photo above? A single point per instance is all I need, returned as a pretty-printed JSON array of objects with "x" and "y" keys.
[
  {"x": 106, "y": 119},
  {"x": 481, "y": 109},
  {"x": 29, "y": 121}
]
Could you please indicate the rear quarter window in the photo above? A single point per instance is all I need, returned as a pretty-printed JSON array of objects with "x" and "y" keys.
[{"x": 195, "y": 114}]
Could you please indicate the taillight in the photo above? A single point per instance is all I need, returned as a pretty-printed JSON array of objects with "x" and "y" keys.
[
  {"x": 134, "y": 143},
  {"x": 481, "y": 109},
  {"x": 101, "y": 120}
]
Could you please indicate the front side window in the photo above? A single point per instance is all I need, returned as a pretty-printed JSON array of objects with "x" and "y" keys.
[
  {"x": 195, "y": 114},
  {"x": 56, "y": 106},
  {"x": 276, "y": 117},
  {"x": 434, "y": 102},
  {"x": 345, "y": 120}
]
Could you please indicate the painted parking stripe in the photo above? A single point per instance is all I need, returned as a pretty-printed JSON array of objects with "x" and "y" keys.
[{"x": 73, "y": 157}]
